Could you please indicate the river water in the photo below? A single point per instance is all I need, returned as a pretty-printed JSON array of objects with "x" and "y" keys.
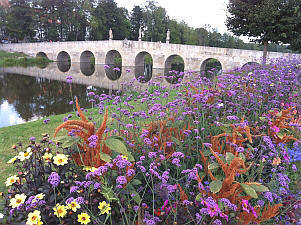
[{"x": 32, "y": 93}]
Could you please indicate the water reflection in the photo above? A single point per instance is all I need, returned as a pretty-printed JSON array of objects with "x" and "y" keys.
[{"x": 33, "y": 92}]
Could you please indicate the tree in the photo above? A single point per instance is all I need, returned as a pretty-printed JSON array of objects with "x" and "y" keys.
[
  {"x": 19, "y": 20},
  {"x": 137, "y": 21},
  {"x": 264, "y": 21}
]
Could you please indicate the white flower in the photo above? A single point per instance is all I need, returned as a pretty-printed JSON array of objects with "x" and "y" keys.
[
  {"x": 1, "y": 216},
  {"x": 220, "y": 104}
]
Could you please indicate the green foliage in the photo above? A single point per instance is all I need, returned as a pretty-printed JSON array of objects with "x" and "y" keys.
[{"x": 265, "y": 21}]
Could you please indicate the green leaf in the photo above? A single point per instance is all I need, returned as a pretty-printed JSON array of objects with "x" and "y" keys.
[
  {"x": 207, "y": 153},
  {"x": 262, "y": 118},
  {"x": 213, "y": 166},
  {"x": 249, "y": 190},
  {"x": 67, "y": 141},
  {"x": 242, "y": 156},
  {"x": 229, "y": 157},
  {"x": 175, "y": 140},
  {"x": 280, "y": 135},
  {"x": 259, "y": 187},
  {"x": 220, "y": 177},
  {"x": 105, "y": 157},
  {"x": 135, "y": 195},
  {"x": 136, "y": 182},
  {"x": 215, "y": 186},
  {"x": 115, "y": 144},
  {"x": 130, "y": 157},
  {"x": 198, "y": 197},
  {"x": 108, "y": 193}
]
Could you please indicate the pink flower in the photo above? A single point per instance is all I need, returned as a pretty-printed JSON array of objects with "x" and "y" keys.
[
  {"x": 245, "y": 205},
  {"x": 275, "y": 129}
]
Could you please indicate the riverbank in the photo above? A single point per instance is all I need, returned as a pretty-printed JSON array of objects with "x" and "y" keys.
[{"x": 21, "y": 59}]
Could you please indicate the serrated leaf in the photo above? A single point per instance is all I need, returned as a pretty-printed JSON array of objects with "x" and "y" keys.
[
  {"x": 215, "y": 186},
  {"x": 105, "y": 157},
  {"x": 259, "y": 187},
  {"x": 175, "y": 140},
  {"x": 116, "y": 145},
  {"x": 67, "y": 141},
  {"x": 220, "y": 177},
  {"x": 229, "y": 157},
  {"x": 213, "y": 166},
  {"x": 249, "y": 190},
  {"x": 198, "y": 197}
]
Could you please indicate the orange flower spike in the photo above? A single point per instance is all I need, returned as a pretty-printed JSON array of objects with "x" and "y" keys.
[
  {"x": 247, "y": 128},
  {"x": 102, "y": 128},
  {"x": 183, "y": 196},
  {"x": 79, "y": 123},
  {"x": 81, "y": 114},
  {"x": 224, "y": 167}
]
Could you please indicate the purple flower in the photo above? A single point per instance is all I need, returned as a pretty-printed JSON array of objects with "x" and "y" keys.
[
  {"x": 176, "y": 162},
  {"x": 80, "y": 200},
  {"x": 69, "y": 79},
  {"x": 116, "y": 69},
  {"x": 121, "y": 180},
  {"x": 106, "y": 67},
  {"x": 73, "y": 189},
  {"x": 97, "y": 185},
  {"x": 130, "y": 172},
  {"x": 269, "y": 196},
  {"x": 69, "y": 200},
  {"x": 46, "y": 121},
  {"x": 54, "y": 179},
  {"x": 32, "y": 139},
  {"x": 178, "y": 154}
]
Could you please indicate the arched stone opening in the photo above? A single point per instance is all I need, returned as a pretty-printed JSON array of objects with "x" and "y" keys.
[
  {"x": 41, "y": 55},
  {"x": 143, "y": 67},
  {"x": 113, "y": 65},
  {"x": 63, "y": 61},
  {"x": 87, "y": 63},
  {"x": 174, "y": 69},
  {"x": 249, "y": 65},
  {"x": 211, "y": 67}
]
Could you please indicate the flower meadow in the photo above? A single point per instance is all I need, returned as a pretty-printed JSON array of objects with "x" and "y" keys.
[{"x": 219, "y": 150}]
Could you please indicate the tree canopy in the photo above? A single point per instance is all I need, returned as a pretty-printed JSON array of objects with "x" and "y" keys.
[
  {"x": 265, "y": 21},
  {"x": 79, "y": 20}
]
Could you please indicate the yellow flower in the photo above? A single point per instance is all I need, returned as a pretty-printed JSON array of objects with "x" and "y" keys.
[
  {"x": 12, "y": 160},
  {"x": 74, "y": 206},
  {"x": 47, "y": 156},
  {"x": 17, "y": 200},
  {"x": 11, "y": 180},
  {"x": 25, "y": 155},
  {"x": 90, "y": 168},
  {"x": 104, "y": 207},
  {"x": 34, "y": 218},
  {"x": 60, "y": 159},
  {"x": 276, "y": 161},
  {"x": 60, "y": 210},
  {"x": 83, "y": 218},
  {"x": 124, "y": 157}
]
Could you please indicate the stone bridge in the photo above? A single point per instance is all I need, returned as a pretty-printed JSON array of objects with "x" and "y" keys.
[{"x": 133, "y": 53}]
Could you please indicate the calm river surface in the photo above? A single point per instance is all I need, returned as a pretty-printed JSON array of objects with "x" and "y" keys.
[{"x": 32, "y": 93}]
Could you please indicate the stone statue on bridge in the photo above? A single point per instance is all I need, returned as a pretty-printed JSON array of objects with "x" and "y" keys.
[
  {"x": 110, "y": 34},
  {"x": 167, "y": 36},
  {"x": 140, "y": 34}
]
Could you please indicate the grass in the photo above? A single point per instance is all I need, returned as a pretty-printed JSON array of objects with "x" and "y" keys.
[{"x": 21, "y": 59}]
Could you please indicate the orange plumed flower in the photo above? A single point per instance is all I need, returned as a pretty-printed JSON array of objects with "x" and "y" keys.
[{"x": 276, "y": 161}]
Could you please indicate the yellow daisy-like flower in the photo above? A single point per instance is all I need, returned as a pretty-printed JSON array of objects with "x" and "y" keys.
[
  {"x": 104, "y": 207},
  {"x": 83, "y": 218},
  {"x": 40, "y": 196},
  {"x": 47, "y": 156},
  {"x": 11, "y": 180},
  {"x": 276, "y": 161},
  {"x": 124, "y": 157},
  {"x": 90, "y": 168},
  {"x": 34, "y": 218},
  {"x": 60, "y": 210},
  {"x": 12, "y": 160},
  {"x": 60, "y": 159},
  {"x": 74, "y": 206},
  {"x": 17, "y": 200},
  {"x": 25, "y": 155}
]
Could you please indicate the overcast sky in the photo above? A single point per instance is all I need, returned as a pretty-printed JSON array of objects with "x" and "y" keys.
[{"x": 195, "y": 13}]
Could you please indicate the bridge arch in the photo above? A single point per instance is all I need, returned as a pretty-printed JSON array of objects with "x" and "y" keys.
[
  {"x": 211, "y": 67},
  {"x": 143, "y": 66},
  {"x": 174, "y": 69},
  {"x": 42, "y": 55},
  {"x": 87, "y": 63},
  {"x": 113, "y": 62},
  {"x": 250, "y": 64},
  {"x": 63, "y": 61}
]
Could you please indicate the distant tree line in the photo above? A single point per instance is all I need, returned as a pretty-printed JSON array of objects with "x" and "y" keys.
[{"x": 80, "y": 20}]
